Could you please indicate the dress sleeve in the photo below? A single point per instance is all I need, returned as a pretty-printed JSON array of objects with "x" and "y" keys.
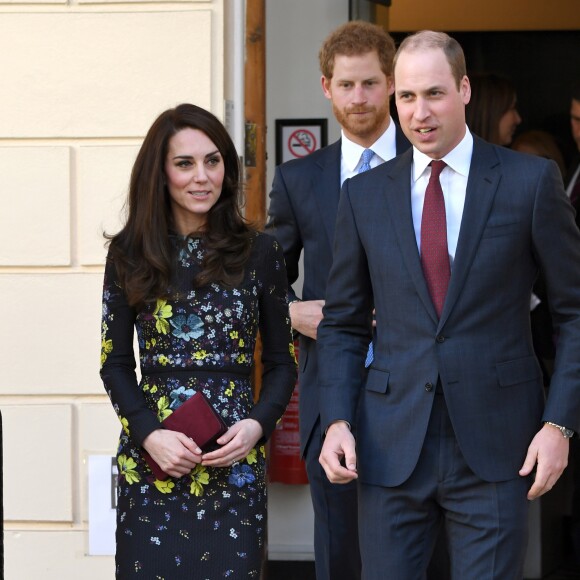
[
  {"x": 118, "y": 360},
  {"x": 278, "y": 360}
]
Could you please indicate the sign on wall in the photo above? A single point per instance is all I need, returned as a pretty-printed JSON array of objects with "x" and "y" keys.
[{"x": 296, "y": 138}]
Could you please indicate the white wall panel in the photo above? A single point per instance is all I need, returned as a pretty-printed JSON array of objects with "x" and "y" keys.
[
  {"x": 35, "y": 206},
  {"x": 100, "y": 74},
  {"x": 37, "y": 463},
  {"x": 53, "y": 346},
  {"x": 102, "y": 186}
]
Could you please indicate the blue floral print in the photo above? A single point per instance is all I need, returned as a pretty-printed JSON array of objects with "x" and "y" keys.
[
  {"x": 187, "y": 329},
  {"x": 241, "y": 474}
]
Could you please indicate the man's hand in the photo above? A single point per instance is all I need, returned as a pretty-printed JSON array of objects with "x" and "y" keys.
[
  {"x": 339, "y": 446},
  {"x": 174, "y": 452},
  {"x": 306, "y": 316},
  {"x": 550, "y": 451}
]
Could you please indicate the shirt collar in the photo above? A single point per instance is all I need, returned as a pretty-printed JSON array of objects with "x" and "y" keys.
[
  {"x": 458, "y": 159},
  {"x": 384, "y": 147}
]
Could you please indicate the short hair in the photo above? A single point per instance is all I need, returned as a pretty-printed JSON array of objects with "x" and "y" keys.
[
  {"x": 355, "y": 38},
  {"x": 429, "y": 39},
  {"x": 492, "y": 95}
]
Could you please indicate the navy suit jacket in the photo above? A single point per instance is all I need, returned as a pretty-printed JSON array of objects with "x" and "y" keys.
[
  {"x": 302, "y": 214},
  {"x": 516, "y": 221}
]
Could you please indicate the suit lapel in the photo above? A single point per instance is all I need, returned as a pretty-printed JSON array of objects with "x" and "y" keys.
[
  {"x": 325, "y": 187},
  {"x": 482, "y": 186},
  {"x": 398, "y": 197}
]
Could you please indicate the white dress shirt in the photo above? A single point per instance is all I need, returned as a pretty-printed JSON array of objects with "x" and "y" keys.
[
  {"x": 384, "y": 148},
  {"x": 453, "y": 181}
]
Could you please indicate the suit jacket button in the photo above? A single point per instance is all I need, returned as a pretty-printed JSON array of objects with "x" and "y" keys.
[
  {"x": 440, "y": 338},
  {"x": 429, "y": 387}
]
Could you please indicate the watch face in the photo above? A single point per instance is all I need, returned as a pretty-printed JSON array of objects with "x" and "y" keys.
[{"x": 567, "y": 432}]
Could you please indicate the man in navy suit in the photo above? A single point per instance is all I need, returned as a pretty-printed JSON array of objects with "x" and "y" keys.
[
  {"x": 451, "y": 421},
  {"x": 356, "y": 64}
]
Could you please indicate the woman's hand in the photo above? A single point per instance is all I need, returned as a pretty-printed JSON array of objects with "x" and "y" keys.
[
  {"x": 237, "y": 442},
  {"x": 175, "y": 453}
]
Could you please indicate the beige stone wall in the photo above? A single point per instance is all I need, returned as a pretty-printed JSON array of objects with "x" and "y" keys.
[{"x": 81, "y": 83}]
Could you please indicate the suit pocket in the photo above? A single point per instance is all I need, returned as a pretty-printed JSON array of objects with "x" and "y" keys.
[
  {"x": 377, "y": 381},
  {"x": 497, "y": 230},
  {"x": 518, "y": 371}
]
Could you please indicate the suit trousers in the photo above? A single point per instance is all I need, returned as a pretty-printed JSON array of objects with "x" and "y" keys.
[
  {"x": 485, "y": 522},
  {"x": 336, "y": 545}
]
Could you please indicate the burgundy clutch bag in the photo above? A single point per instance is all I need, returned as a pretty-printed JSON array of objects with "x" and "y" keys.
[{"x": 195, "y": 418}]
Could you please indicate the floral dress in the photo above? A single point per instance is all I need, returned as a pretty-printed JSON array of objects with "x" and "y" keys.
[{"x": 211, "y": 523}]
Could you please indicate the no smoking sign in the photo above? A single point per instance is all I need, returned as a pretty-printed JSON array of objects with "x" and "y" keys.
[{"x": 297, "y": 138}]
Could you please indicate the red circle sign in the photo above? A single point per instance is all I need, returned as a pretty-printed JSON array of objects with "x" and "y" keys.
[{"x": 301, "y": 142}]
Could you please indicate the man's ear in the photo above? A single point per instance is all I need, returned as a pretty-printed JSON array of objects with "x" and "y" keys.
[
  {"x": 465, "y": 90},
  {"x": 391, "y": 84},
  {"x": 326, "y": 86}
]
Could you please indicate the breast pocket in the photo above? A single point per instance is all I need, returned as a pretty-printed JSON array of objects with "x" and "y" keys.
[{"x": 497, "y": 230}]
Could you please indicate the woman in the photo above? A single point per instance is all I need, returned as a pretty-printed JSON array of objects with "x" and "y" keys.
[
  {"x": 197, "y": 283},
  {"x": 491, "y": 112}
]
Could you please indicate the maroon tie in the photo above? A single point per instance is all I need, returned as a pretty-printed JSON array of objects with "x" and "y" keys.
[{"x": 434, "y": 252}]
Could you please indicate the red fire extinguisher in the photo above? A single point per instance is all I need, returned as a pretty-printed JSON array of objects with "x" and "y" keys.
[{"x": 285, "y": 464}]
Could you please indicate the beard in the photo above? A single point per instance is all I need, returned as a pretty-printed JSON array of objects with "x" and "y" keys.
[{"x": 372, "y": 123}]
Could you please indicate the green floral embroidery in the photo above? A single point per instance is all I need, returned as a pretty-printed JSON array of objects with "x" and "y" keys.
[
  {"x": 200, "y": 355},
  {"x": 252, "y": 456},
  {"x": 199, "y": 478},
  {"x": 127, "y": 467},
  {"x": 161, "y": 313},
  {"x": 163, "y": 410},
  {"x": 125, "y": 424},
  {"x": 164, "y": 486},
  {"x": 292, "y": 351},
  {"x": 230, "y": 390},
  {"x": 106, "y": 349}
]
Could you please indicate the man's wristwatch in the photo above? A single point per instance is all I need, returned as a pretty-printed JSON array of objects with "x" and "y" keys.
[{"x": 566, "y": 433}]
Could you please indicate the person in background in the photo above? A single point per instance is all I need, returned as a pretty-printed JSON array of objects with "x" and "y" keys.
[
  {"x": 356, "y": 64},
  {"x": 572, "y": 180},
  {"x": 451, "y": 422},
  {"x": 542, "y": 143},
  {"x": 196, "y": 282},
  {"x": 491, "y": 113}
]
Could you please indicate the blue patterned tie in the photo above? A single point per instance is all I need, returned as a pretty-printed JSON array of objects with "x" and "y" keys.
[
  {"x": 365, "y": 165},
  {"x": 366, "y": 157}
]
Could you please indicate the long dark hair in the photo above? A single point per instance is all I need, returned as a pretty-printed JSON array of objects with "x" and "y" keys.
[
  {"x": 492, "y": 96},
  {"x": 142, "y": 250}
]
